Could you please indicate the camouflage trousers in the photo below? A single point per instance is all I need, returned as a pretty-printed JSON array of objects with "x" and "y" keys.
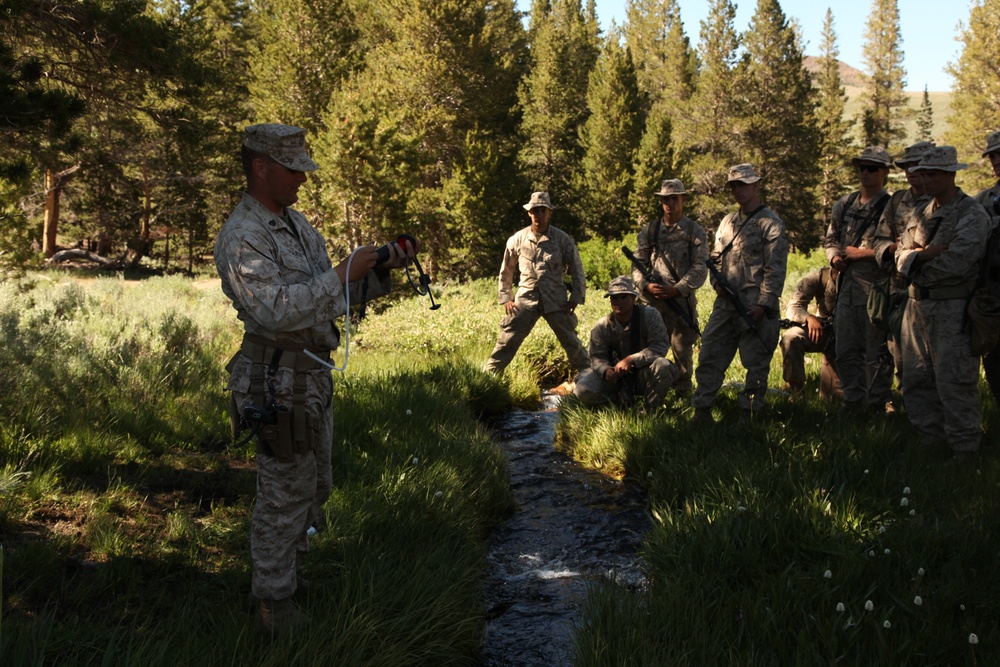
[
  {"x": 940, "y": 374},
  {"x": 651, "y": 384},
  {"x": 726, "y": 334},
  {"x": 859, "y": 346},
  {"x": 515, "y": 328},
  {"x": 794, "y": 345},
  {"x": 682, "y": 340},
  {"x": 290, "y": 494}
]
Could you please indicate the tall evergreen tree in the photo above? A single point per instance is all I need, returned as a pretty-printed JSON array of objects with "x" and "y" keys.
[
  {"x": 654, "y": 162},
  {"x": 883, "y": 103},
  {"x": 835, "y": 145},
  {"x": 610, "y": 140},
  {"x": 975, "y": 100},
  {"x": 664, "y": 61},
  {"x": 780, "y": 134},
  {"x": 705, "y": 138},
  {"x": 553, "y": 102},
  {"x": 925, "y": 118}
]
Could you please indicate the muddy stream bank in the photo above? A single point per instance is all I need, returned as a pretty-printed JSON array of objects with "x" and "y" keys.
[{"x": 573, "y": 526}]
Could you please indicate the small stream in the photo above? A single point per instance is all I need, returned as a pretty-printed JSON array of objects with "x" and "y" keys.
[{"x": 573, "y": 525}]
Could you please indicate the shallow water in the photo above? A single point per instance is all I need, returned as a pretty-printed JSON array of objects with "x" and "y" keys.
[{"x": 573, "y": 526}]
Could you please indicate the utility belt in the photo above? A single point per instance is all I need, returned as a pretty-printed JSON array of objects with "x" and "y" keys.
[
  {"x": 281, "y": 430},
  {"x": 919, "y": 293}
]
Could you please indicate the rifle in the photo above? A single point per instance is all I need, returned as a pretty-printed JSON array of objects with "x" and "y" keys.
[
  {"x": 626, "y": 381},
  {"x": 683, "y": 313},
  {"x": 734, "y": 298}
]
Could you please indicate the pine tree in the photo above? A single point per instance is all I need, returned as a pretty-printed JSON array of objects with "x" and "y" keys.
[
  {"x": 975, "y": 105},
  {"x": 883, "y": 103},
  {"x": 553, "y": 102},
  {"x": 664, "y": 61},
  {"x": 610, "y": 140},
  {"x": 780, "y": 135},
  {"x": 654, "y": 162},
  {"x": 835, "y": 144},
  {"x": 705, "y": 138},
  {"x": 925, "y": 119}
]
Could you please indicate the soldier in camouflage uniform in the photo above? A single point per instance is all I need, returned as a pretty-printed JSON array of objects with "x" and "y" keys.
[
  {"x": 901, "y": 205},
  {"x": 991, "y": 360},
  {"x": 627, "y": 347},
  {"x": 811, "y": 334},
  {"x": 865, "y": 378},
  {"x": 751, "y": 252},
  {"x": 275, "y": 269},
  {"x": 542, "y": 255},
  {"x": 675, "y": 249},
  {"x": 939, "y": 252}
]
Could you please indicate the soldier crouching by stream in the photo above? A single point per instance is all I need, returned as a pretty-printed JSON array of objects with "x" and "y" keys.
[{"x": 627, "y": 349}]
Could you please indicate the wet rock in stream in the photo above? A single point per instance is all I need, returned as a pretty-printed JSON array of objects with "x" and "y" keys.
[{"x": 573, "y": 526}]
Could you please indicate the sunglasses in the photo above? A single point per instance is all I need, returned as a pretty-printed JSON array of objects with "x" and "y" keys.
[{"x": 869, "y": 168}]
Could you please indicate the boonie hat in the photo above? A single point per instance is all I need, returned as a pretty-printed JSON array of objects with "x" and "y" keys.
[
  {"x": 875, "y": 154},
  {"x": 744, "y": 173},
  {"x": 992, "y": 143},
  {"x": 621, "y": 285},
  {"x": 538, "y": 199},
  {"x": 671, "y": 186},
  {"x": 940, "y": 158},
  {"x": 286, "y": 144},
  {"x": 913, "y": 154}
]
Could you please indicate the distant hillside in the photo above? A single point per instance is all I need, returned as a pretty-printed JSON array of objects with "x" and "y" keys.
[{"x": 854, "y": 81}]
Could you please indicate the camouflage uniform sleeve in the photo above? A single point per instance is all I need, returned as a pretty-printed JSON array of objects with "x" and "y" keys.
[
  {"x": 960, "y": 262},
  {"x": 600, "y": 347},
  {"x": 507, "y": 268},
  {"x": 249, "y": 265},
  {"x": 809, "y": 288},
  {"x": 578, "y": 280},
  {"x": 643, "y": 251},
  {"x": 831, "y": 242},
  {"x": 654, "y": 333},
  {"x": 775, "y": 250},
  {"x": 718, "y": 245},
  {"x": 698, "y": 271},
  {"x": 885, "y": 235}
]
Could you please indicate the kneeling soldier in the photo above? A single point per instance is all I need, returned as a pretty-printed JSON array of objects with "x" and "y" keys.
[{"x": 626, "y": 352}]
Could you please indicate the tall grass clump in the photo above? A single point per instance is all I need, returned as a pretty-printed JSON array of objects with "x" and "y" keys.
[{"x": 124, "y": 507}]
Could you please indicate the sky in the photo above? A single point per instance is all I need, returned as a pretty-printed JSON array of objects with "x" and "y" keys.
[{"x": 928, "y": 27}]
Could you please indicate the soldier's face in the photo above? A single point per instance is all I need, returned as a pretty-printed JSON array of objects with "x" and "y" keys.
[
  {"x": 281, "y": 183},
  {"x": 871, "y": 175},
  {"x": 622, "y": 306},
  {"x": 743, "y": 192},
  {"x": 673, "y": 207},
  {"x": 995, "y": 161},
  {"x": 938, "y": 182},
  {"x": 540, "y": 218},
  {"x": 914, "y": 178}
]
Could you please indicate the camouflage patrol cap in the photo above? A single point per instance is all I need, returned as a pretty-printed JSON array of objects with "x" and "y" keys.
[
  {"x": 621, "y": 285},
  {"x": 538, "y": 199},
  {"x": 671, "y": 186},
  {"x": 912, "y": 155},
  {"x": 992, "y": 143},
  {"x": 874, "y": 154},
  {"x": 940, "y": 158},
  {"x": 743, "y": 173},
  {"x": 286, "y": 144}
]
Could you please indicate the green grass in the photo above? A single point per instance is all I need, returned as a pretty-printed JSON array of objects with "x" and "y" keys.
[{"x": 124, "y": 510}]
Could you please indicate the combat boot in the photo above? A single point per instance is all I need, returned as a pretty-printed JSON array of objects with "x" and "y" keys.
[
  {"x": 703, "y": 416},
  {"x": 279, "y": 618}
]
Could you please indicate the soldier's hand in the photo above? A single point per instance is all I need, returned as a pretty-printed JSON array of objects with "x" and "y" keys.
[
  {"x": 398, "y": 257},
  {"x": 510, "y": 308},
  {"x": 611, "y": 377},
  {"x": 570, "y": 306},
  {"x": 757, "y": 313},
  {"x": 930, "y": 252},
  {"x": 662, "y": 291},
  {"x": 624, "y": 366},
  {"x": 815, "y": 328},
  {"x": 361, "y": 260},
  {"x": 838, "y": 263},
  {"x": 858, "y": 254}
]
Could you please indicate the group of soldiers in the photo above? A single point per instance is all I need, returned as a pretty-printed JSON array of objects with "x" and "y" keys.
[{"x": 925, "y": 247}]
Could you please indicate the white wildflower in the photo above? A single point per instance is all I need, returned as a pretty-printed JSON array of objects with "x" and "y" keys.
[
  {"x": 913, "y": 512},
  {"x": 439, "y": 494},
  {"x": 871, "y": 554},
  {"x": 828, "y": 574},
  {"x": 409, "y": 412},
  {"x": 416, "y": 461},
  {"x": 886, "y": 552},
  {"x": 920, "y": 572},
  {"x": 973, "y": 639},
  {"x": 903, "y": 502},
  {"x": 866, "y": 471},
  {"x": 962, "y": 607},
  {"x": 887, "y": 625},
  {"x": 906, "y": 490},
  {"x": 649, "y": 475},
  {"x": 881, "y": 529},
  {"x": 918, "y": 600},
  {"x": 869, "y": 606},
  {"x": 840, "y": 607}
]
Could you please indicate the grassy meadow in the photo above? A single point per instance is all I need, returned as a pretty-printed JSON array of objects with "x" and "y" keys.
[{"x": 124, "y": 508}]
